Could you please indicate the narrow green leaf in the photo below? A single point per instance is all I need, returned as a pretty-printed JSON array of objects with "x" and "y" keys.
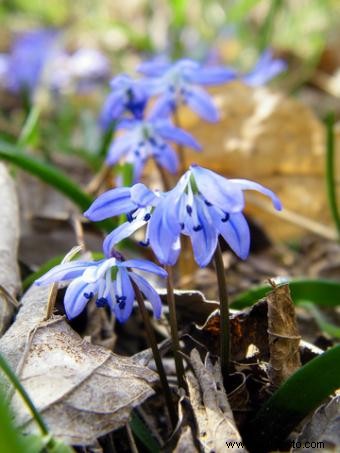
[
  {"x": 325, "y": 293},
  {"x": 324, "y": 325},
  {"x": 266, "y": 30},
  {"x": 240, "y": 9},
  {"x": 51, "y": 176},
  {"x": 10, "y": 440},
  {"x": 301, "y": 394},
  {"x": 178, "y": 8},
  {"x": 143, "y": 434},
  {"x": 29, "y": 132},
  {"x": 331, "y": 171}
]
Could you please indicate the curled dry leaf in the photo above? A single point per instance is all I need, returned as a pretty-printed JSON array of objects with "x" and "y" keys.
[
  {"x": 9, "y": 237},
  {"x": 82, "y": 390},
  {"x": 215, "y": 420},
  {"x": 323, "y": 429},
  {"x": 275, "y": 140},
  {"x": 283, "y": 335},
  {"x": 186, "y": 443}
]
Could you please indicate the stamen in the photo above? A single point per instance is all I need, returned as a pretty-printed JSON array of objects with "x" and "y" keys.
[
  {"x": 88, "y": 295},
  {"x": 207, "y": 203},
  {"x": 182, "y": 225},
  {"x": 147, "y": 217},
  {"x": 137, "y": 152},
  {"x": 225, "y": 218},
  {"x": 197, "y": 228},
  {"x": 189, "y": 209},
  {"x": 129, "y": 215},
  {"x": 144, "y": 243},
  {"x": 101, "y": 302}
]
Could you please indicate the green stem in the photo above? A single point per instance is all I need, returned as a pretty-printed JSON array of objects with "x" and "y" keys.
[
  {"x": 224, "y": 313},
  {"x": 24, "y": 395},
  {"x": 180, "y": 148},
  {"x": 174, "y": 328},
  {"x": 156, "y": 356},
  {"x": 266, "y": 30},
  {"x": 330, "y": 171}
]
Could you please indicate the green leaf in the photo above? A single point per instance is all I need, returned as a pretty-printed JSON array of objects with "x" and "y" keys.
[
  {"x": 325, "y": 293},
  {"x": 141, "y": 431},
  {"x": 324, "y": 325},
  {"x": 10, "y": 439},
  {"x": 30, "y": 131},
  {"x": 240, "y": 9},
  {"x": 178, "y": 8},
  {"x": 51, "y": 176},
  {"x": 301, "y": 394}
]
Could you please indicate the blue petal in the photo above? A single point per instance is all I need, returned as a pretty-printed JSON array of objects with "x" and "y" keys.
[
  {"x": 77, "y": 296},
  {"x": 235, "y": 231},
  {"x": 202, "y": 104},
  {"x": 112, "y": 109},
  {"x": 63, "y": 272},
  {"x": 143, "y": 196},
  {"x": 162, "y": 237},
  {"x": 204, "y": 240},
  {"x": 212, "y": 76},
  {"x": 144, "y": 265},
  {"x": 245, "y": 184},
  {"x": 123, "y": 289},
  {"x": 120, "y": 146},
  {"x": 169, "y": 132},
  {"x": 168, "y": 158},
  {"x": 266, "y": 69},
  {"x": 218, "y": 190},
  {"x": 149, "y": 292},
  {"x": 118, "y": 234},
  {"x": 164, "y": 106},
  {"x": 154, "y": 68},
  {"x": 111, "y": 203}
]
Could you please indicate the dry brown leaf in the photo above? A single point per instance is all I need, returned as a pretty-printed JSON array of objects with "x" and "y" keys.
[
  {"x": 323, "y": 428},
  {"x": 9, "y": 237},
  {"x": 185, "y": 443},
  {"x": 271, "y": 138},
  {"x": 283, "y": 335},
  {"x": 214, "y": 417},
  {"x": 83, "y": 391}
]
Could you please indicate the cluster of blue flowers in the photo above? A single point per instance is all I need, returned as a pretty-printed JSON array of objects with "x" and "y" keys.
[{"x": 203, "y": 205}]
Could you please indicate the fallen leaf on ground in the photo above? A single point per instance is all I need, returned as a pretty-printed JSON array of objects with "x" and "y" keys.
[
  {"x": 9, "y": 238},
  {"x": 283, "y": 335},
  {"x": 214, "y": 417},
  {"x": 323, "y": 429}
]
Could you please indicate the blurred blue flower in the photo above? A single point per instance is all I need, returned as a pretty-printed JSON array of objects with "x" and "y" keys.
[
  {"x": 179, "y": 83},
  {"x": 108, "y": 281},
  {"x": 127, "y": 95},
  {"x": 266, "y": 68},
  {"x": 145, "y": 139},
  {"x": 203, "y": 205},
  {"x": 28, "y": 56}
]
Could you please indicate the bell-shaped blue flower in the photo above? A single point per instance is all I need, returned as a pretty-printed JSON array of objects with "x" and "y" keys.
[
  {"x": 203, "y": 205},
  {"x": 179, "y": 83},
  {"x": 108, "y": 281},
  {"x": 149, "y": 138},
  {"x": 128, "y": 95}
]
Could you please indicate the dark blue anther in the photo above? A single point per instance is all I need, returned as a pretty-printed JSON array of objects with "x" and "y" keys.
[
  {"x": 147, "y": 217},
  {"x": 129, "y": 215},
  {"x": 101, "y": 302},
  {"x": 189, "y": 209},
  {"x": 144, "y": 243},
  {"x": 225, "y": 218},
  {"x": 137, "y": 152},
  {"x": 207, "y": 203},
  {"x": 88, "y": 295},
  {"x": 197, "y": 228},
  {"x": 182, "y": 226}
]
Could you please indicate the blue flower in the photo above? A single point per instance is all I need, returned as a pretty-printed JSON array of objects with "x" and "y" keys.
[
  {"x": 203, "y": 205},
  {"x": 179, "y": 83},
  {"x": 108, "y": 281},
  {"x": 28, "y": 56},
  {"x": 265, "y": 69},
  {"x": 127, "y": 95},
  {"x": 146, "y": 139}
]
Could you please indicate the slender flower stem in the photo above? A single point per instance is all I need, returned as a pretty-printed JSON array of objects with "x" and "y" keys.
[
  {"x": 24, "y": 395},
  {"x": 174, "y": 328},
  {"x": 180, "y": 148},
  {"x": 331, "y": 172},
  {"x": 224, "y": 312},
  {"x": 156, "y": 355}
]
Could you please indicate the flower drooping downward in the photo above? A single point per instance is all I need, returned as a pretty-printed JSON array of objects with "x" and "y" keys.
[
  {"x": 203, "y": 205},
  {"x": 108, "y": 281}
]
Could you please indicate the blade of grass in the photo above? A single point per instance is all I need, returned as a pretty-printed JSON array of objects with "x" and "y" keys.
[
  {"x": 141, "y": 431},
  {"x": 266, "y": 30},
  {"x": 331, "y": 171},
  {"x": 324, "y": 325},
  {"x": 51, "y": 176},
  {"x": 29, "y": 132},
  {"x": 325, "y": 293},
  {"x": 301, "y": 394}
]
